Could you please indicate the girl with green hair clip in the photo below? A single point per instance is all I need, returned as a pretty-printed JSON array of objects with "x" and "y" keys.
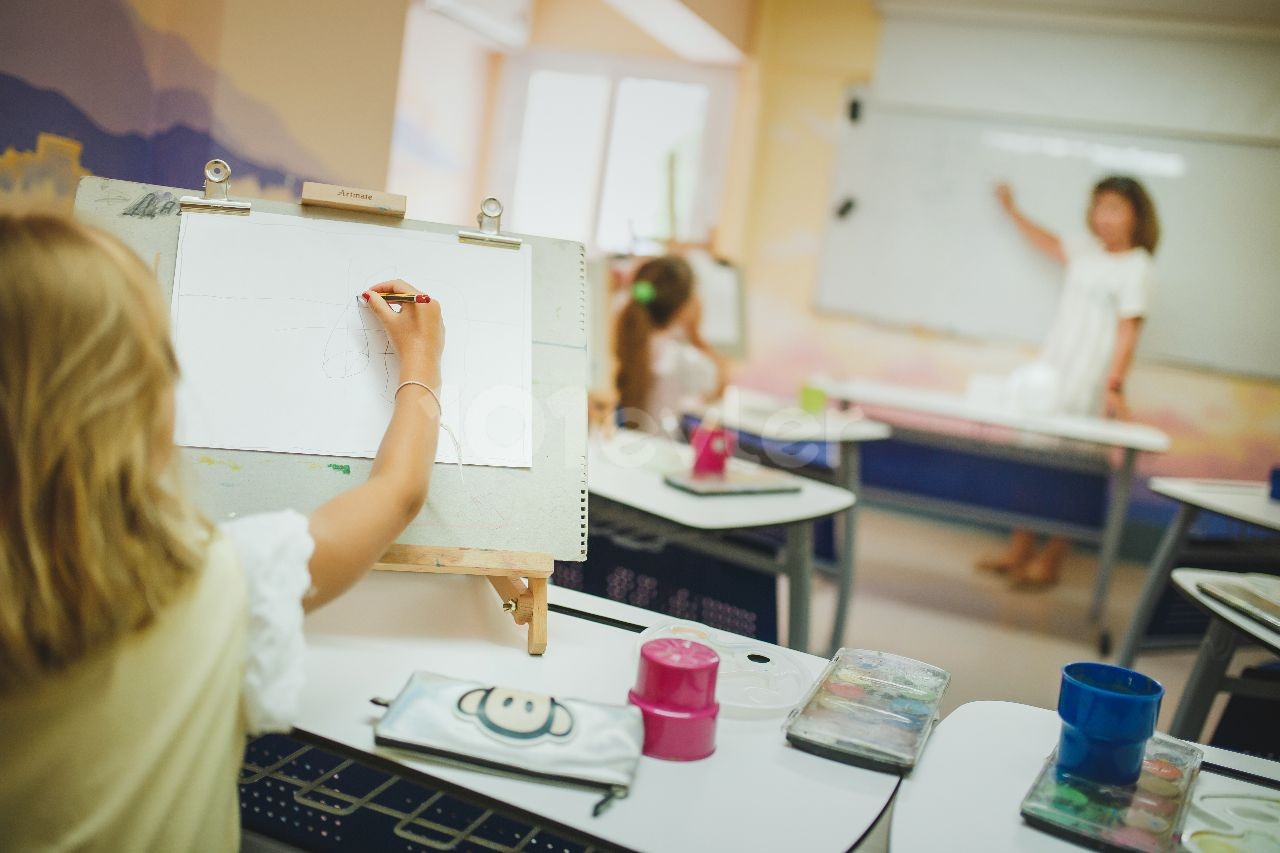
[{"x": 662, "y": 357}]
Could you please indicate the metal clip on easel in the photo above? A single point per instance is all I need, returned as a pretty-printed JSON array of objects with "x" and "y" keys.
[
  {"x": 216, "y": 175},
  {"x": 489, "y": 219}
]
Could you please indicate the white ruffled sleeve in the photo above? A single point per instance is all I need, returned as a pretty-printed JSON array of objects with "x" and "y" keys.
[{"x": 275, "y": 550}]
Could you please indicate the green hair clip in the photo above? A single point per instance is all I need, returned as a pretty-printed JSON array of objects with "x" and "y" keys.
[{"x": 642, "y": 291}]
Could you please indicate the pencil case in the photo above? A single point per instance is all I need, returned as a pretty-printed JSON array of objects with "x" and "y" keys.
[
  {"x": 516, "y": 732},
  {"x": 871, "y": 709}
]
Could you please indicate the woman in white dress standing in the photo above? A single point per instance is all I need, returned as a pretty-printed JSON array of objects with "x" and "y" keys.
[{"x": 1105, "y": 296}]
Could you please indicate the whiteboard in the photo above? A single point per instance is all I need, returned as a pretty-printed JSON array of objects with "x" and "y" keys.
[
  {"x": 927, "y": 245},
  {"x": 541, "y": 509}
]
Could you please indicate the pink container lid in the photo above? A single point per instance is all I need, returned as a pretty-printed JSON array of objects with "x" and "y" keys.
[
  {"x": 679, "y": 675},
  {"x": 675, "y": 692}
]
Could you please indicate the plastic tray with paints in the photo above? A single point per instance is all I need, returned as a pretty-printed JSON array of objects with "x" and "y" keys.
[
  {"x": 755, "y": 679},
  {"x": 870, "y": 708},
  {"x": 1145, "y": 816}
]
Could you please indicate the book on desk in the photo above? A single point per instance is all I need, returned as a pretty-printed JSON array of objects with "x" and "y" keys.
[
  {"x": 1260, "y": 603},
  {"x": 736, "y": 483}
]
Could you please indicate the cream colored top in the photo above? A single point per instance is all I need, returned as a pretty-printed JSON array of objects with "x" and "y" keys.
[
  {"x": 1100, "y": 289},
  {"x": 682, "y": 373},
  {"x": 138, "y": 747}
]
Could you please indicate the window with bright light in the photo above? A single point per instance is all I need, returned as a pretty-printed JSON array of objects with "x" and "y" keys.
[
  {"x": 561, "y": 145},
  {"x": 655, "y": 151},
  {"x": 620, "y": 157}
]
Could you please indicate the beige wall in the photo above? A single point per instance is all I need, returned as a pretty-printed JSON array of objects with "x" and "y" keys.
[
  {"x": 441, "y": 118},
  {"x": 591, "y": 26},
  {"x": 807, "y": 55},
  {"x": 734, "y": 19},
  {"x": 328, "y": 70}
]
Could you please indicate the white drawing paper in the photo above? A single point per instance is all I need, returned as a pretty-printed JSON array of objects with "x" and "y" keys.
[{"x": 279, "y": 353}]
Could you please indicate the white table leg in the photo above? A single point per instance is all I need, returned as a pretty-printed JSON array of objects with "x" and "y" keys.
[
  {"x": 1117, "y": 510},
  {"x": 799, "y": 561},
  {"x": 1157, "y": 579}
]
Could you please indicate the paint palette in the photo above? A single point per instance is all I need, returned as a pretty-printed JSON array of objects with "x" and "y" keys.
[
  {"x": 1230, "y": 815},
  {"x": 871, "y": 709},
  {"x": 754, "y": 679},
  {"x": 1147, "y": 816}
]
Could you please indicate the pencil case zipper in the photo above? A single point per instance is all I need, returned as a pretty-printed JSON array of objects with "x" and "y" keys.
[{"x": 611, "y": 792}]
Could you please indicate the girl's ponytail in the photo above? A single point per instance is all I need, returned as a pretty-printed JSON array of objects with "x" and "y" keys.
[
  {"x": 635, "y": 372},
  {"x": 661, "y": 288}
]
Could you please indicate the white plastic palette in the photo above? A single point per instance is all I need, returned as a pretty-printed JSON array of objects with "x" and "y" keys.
[
  {"x": 1232, "y": 816},
  {"x": 754, "y": 680}
]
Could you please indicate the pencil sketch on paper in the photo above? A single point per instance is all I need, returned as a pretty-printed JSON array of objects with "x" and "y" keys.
[{"x": 279, "y": 353}]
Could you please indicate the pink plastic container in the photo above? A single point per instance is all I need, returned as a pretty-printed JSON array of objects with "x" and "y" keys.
[
  {"x": 712, "y": 448},
  {"x": 676, "y": 694}
]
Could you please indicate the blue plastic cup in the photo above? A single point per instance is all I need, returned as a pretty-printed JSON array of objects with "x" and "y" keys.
[
  {"x": 1275, "y": 483},
  {"x": 1108, "y": 714}
]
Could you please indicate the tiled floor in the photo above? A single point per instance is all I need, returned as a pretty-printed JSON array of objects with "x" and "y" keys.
[{"x": 917, "y": 594}]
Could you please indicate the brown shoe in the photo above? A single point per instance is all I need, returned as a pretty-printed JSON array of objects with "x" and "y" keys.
[
  {"x": 1039, "y": 575},
  {"x": 1032, "y": 583}
]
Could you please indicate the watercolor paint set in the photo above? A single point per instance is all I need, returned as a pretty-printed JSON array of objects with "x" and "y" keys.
[
  {"x": 1146, "y": 816},
  {"x": 871, "y": 709}
]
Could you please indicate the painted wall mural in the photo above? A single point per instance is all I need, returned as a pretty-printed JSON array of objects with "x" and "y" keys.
[{"x": 89, "y": 87}]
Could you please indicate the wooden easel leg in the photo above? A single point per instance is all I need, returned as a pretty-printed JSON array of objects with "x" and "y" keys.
[
  {"x": 506, "y": 571},
  {"x": 538, "y": 619}
]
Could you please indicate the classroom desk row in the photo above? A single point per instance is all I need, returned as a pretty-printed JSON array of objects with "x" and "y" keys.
[
  {"x": 637, "y": 497},
  {"x": 627, "y": 492},
  {"x": 754, "y": 793},
  {"x": 1047, "y": 437},
  {"x": 1239, "y": 500}
]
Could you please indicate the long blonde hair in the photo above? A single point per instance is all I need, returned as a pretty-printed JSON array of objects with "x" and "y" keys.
[{"x": 93, "y": 540}]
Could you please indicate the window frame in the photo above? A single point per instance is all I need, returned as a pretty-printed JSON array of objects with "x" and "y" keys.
[{"x": 721, "y": 83}]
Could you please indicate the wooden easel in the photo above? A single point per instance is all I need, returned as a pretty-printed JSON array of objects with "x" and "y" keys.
[{"x": 519, "y": 578}]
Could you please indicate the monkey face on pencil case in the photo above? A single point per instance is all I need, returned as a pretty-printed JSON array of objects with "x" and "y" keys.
[{"x": 506, "y": 730}]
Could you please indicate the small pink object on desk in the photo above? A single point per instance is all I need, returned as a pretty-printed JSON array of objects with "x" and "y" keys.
[
  {"x": 676, "y": 694},
  {"x": 712, "y": 447}
]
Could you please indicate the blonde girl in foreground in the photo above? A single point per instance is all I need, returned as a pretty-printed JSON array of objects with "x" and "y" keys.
[{"x": 138, "y": 642}]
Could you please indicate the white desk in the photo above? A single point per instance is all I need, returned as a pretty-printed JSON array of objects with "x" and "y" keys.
[
  {"x": 625, "y": 479},
  {"x": 778, "y": 419},
  {"x": 965, "y": 793},
  {"x": 1239, "y": 499},
  {"x": 1208, "y": 677},
  {"x": 1102, "y": 431},
  {"x": 754, "y": 793},
  {"x": 1130, "y": 438}
]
